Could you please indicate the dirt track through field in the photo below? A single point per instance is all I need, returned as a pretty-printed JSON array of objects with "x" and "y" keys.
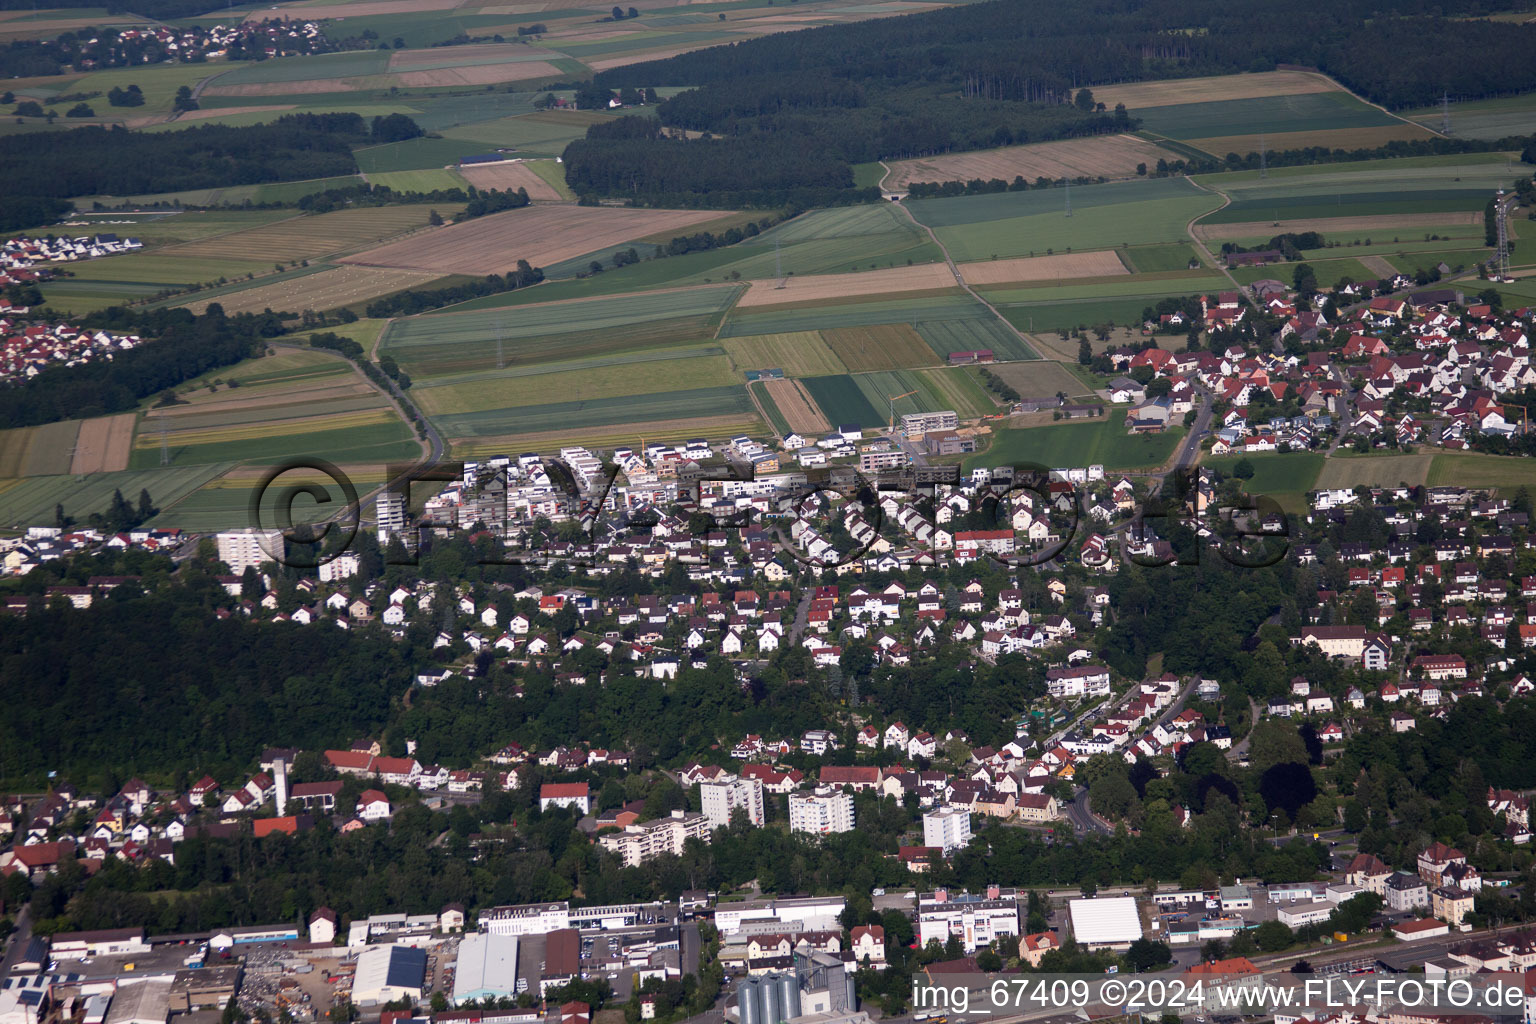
[
  {"x": 821, "y": 287},
  {"x": 1103, "y": 263},
  {"x": 1109, "y": 156},
  {"x": 542, "y": 235},
  {"x": 103, "y": 445},
  {"x": 800, "y": 410},
  {"x": 510, "y": 175}
]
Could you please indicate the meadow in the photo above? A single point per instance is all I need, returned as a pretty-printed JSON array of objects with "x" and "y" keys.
[
  {"x": 31, "y": 501},
  {"x": 1272, "y": 115},
  {"x": 574, "y": 415},
  {"x": 798, "y": 354},
  {"x": 1031, "y": 317},
  {"x": 1040, "y": 379},
  {"x": 1095, "y": 442},
  {"x": 1284, "y": 476},
  {"x": 1345, "y": 469},
  {"x": 1036, "y": 222},
  {"x": 1465, "y": 469}
]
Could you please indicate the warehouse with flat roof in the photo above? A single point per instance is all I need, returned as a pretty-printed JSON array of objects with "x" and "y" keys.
[
  {"x": 386, "y": 973},
  {"x": 1108, "y": 922},
  {"x": 486, "y": 968}
]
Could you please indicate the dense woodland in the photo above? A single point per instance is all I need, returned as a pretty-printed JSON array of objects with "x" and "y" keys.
[{"x": 183, "y": 346}]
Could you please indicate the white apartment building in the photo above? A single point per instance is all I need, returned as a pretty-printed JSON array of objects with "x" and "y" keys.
[
  {"x": 822, "y": 812},
  {"x": 526, "y": 919},
  {"x": 242, "y": 549},
  {"x": 721, "y": 797},
  {"x": 948, "y": 828},
  {"x": 646, "y": 840}
]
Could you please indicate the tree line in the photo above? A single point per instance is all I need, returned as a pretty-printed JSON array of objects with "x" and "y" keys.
[{"x": 419, "y": 300}]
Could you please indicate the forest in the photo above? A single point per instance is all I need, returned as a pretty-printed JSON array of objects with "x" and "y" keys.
[
  {"x": 115, "y": 161},
  {"x": 179, "y": 346}
]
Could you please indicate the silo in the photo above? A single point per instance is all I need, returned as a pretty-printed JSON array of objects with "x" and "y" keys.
[
  {"x": 746, "y": 1002},
  {"x": 852, "y": 999},
  {"x": 773, "y": 1011},
  {"x": 789, "y": 996}
]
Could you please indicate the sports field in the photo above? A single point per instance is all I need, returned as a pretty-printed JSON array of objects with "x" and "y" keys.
[
  {"x": 1102, "y": 442},
  {"x": 1036, "y": 223}
]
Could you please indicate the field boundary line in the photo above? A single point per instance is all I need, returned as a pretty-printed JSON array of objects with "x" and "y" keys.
[
  {"x": 1396, "y": 117},
  {"x": 1201, "y": 247},
  {"x": 960, "y": 280}
]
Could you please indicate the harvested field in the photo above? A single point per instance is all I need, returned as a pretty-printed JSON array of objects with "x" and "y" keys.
[
  {"x": 799, "y": 410},
  {"x": 1332, "y": 138},
  {"x": 1140, "y": 95},
  {"x": 1109, "y": 156},
  {"x": 543, "y": 236},
  {"x": 824, "y": 287},
  {"x": 798, "y": 353},
  {"x": 1267, "y": 228},
  {"x": 477, "y": 74},
  {"x": 510, "y": 175},
  {"x": 306, "y": 238},
  {"x": 879, "y": 347},
  {"x": 1104, "y": 263},
  {"x": 329, "y": 289},
  {"x": 103, "y": 444}
]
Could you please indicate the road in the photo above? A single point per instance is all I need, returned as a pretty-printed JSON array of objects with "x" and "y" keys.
[
  {"x": 802, "y": 616},
  {"x": 1189, "y": 451},
  {"x": 1240, "y": 748},
  {"x": 19, "y": 939},
  {"x": 1080, "y": 814},
  {"x": 1079, "y": 811}
]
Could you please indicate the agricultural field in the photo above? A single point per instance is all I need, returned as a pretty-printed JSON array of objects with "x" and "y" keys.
[
  {"x": 1106, "y": 156},
  {"x": 842, "y": 401},
  {"x": 542, "y": 235},
  {"x": 1276, "y": 116},
  {"x": 509, "y": 176},
  {"x": 329, "y": 289},
  {"x": 727, "y": 401},
  {"x": 966, "y": 334},
  {"x": 1331, "y": 138},
  {"x": 453, "y": 343},
  {"x": 798, "y": 354},
  {"x": 823, "y": 288},
  {"x": 1103, "y": 442},
  {"x": 103, "y": 444},
  {"x": 200, "y": 223},
  {"x": 310, "y": 237},
  {"x": 1151, "y": 259},
  {"x": 1483, "y": 119},
  {"x": 1505, "y": 474},
  {"x": 1036, "y": 223},
  {"x": 1033, "y": 317},
  {"x": 417, "y": 181},
  {"x": 1285, "y": 477},
  {"x": 1139, "y": 96},
  {"x": 536, "y": 385},
  {"x": 225, "y": 501},
  {"x": 538, "y": 133},
  {"x": 1184, "y": 282},
  {"x": 880, "y": 347},
  {"x": 32, "y": 501},
  {"x": 1329, "y": 271},
  {"x": 790, "y": 407},
  {"x": 1040, "y": 379},
  {"x": 371, "y": 435},
  {"x": 1345, "y": 470},
  {"x": 38, "y": 451},
  {"x": 1103, "y": 263}
]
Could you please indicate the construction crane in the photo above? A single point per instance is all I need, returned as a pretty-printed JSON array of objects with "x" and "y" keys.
[{"x": 891, "y": 427}]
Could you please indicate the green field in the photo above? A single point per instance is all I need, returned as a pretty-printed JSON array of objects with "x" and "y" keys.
[
  {"x": 1284, "y": 476},
  {"x": 1329, "y": 272},
  {"x": 1102, "y": 442},
  {"x": 641, "y": 373},
  {"x": 798, "y": 354},
  {"x": 1484, "y": 119},
  {"x": 29, "y": 502},
  {"x": 844, "y": 402},
  {"x": 840, "y": 222},
  {"x": 1035, "y": 222},
  {"x": 418, "y": 154},
  {"x": 1272, "y": 114},
  {"x": 417, "y": 181},
  {"x": 1149, "y": 259},
  {"x": 864, "y": 398},
  {"x": 855, "y": 314},
  {"x": 602, "y": 412},
  {"x": 545, "y": 133},
  {"x": 1059, "y": 316},
  {"x": 461, "y": 342},
  {"x": 1505, "y": 473},
  {"x": 1185, "y": 282},
  {"x": 1411, "y": 263},
  {"x": 390, "y": 441},
  {"x": 971, "y": 333},
  {"x": 272, "y": 192},
  {"x": 349, "y": 64}
]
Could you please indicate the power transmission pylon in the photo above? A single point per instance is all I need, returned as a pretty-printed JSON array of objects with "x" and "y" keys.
[
  {"x": 1069, "y": 197},
  {"x": 165, "y": 448},
  {"x": 1503, "y": 253},
  {"x": 778, "y": 266},
  {"x": 1445, "y": 113},
  {"x": 1263, "y": 158},
  {"x": 500, "y": 361}
]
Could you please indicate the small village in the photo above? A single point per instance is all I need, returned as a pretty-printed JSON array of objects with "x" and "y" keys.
[{"x": 27, "y": 349}]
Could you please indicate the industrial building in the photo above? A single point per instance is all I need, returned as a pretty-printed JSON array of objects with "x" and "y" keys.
[
  {"x": 387, "y": 973},
  {"x": 145, "y": 1002},
  {"x": 487, "y": 968},
  {"x": 562, "y": 959},
  {"x": 1108, "y": 922}
]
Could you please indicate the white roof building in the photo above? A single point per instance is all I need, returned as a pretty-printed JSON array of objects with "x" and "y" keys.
[
  {"x": 487, "y": 968},
  {"x": 1108, "y": 922},
  {"x": 386, "y": 973}
]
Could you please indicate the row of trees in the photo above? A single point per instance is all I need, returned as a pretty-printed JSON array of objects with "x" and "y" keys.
[{"x": 419, "y": 300}]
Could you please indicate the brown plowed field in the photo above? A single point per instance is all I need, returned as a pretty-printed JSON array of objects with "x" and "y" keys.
[
  {"x": 1109, "y": 156},
  {"x": 510, "y": 175},
  {"x": 103, "y": 444},
  {"x": 800, "y": 410}
]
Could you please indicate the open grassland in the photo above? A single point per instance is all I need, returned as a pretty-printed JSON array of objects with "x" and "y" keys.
[
  {"x": 1484, "y": 119},
  {"x": 501, "y": 391},
  {"x": 1506, "y": 474},
  {"x": 1375, "y": 471},
  {"x": 798, "y": 353},
  {"x": 541, "y": 133},
  {"x": 464, "y": 342},
  {"x": 879, "y": 347},
  {"x": 967, "y": 334},
  {"x": 103, "y": 444},
  {"x": 1275, "y": 474},
  {"x": 1106, "y": 156},
  {"x": 307, "y": 238},
  {"x": 822, "y": 288},
  {"x": 1040, "y": 379},
  {"x": 1271, "y": 115},
  {"x": 1330, "y": 138},
  {"x": 1149, "y": 259},
  {"x": 1103, "y": 263},
  {"x": 32, "y": 501},
  {"x": 326, "y": 290},
  {"x": 509, "y": 176},
  {"x": 543, "y": 235},
  {"x": 720, "y": 401},
  {"x": 417, "y": 181},
  {"x": 1097, "y": 442},
  {"x": 1138, "y": 96},
  {"x": 792, "y": 408},
  {"x": 1035, "y": 223}
]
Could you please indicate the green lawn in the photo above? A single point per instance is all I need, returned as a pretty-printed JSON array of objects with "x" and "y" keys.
[
  {"x": 1085, "y": 443},
  {"x": 1275, "y": 473}
]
